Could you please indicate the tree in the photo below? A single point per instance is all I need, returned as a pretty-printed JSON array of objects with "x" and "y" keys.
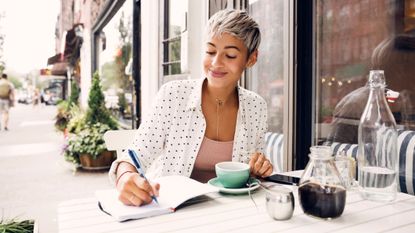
[
  {"x": 74, "y": 97},
  {"x": 97, "y": 112},
  {"x": 125, "y": 47}
]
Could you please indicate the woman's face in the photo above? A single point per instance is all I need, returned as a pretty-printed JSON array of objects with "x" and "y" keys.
[{"x": 225, "y": 59}]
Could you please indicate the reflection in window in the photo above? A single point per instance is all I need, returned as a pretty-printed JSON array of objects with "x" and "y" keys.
[
  {"x": 372, "y": 39},
  {"x": 267, "y": 76},
  {"x": 175, "y": 14},
  {"x": 217, "y": 5},
  {"x": 115, "y": 54}
]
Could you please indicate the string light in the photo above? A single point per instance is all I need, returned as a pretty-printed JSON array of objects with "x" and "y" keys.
[{"x": 332, "y": 80}]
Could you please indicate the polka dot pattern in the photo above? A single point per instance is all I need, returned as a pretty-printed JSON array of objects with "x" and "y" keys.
[{"x": 169, "y": 138}]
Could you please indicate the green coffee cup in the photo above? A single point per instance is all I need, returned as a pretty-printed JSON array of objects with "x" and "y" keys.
[{"x": 232, "y": 174}]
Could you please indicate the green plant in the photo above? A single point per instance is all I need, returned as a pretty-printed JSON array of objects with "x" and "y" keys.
[
  {"x": 64, "y": 108},
  {"x": 77, "y": 121},
  {"x": 97, "y": 112},
  {"x": 74, "y": 97},
  {"x": 88, "y": 141},
  {"x": 16, "y": 226},
  {"x": 87, "y": 129},
  {"x": 62, "y": 116}
]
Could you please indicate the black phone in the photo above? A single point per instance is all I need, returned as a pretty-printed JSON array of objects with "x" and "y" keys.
[{"x": 283, "y": 179}]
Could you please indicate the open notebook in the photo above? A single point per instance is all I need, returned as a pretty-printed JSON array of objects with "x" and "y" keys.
[{"x": 174, "y": 190}]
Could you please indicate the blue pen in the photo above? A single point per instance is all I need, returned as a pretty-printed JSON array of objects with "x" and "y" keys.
[{"x": 137, "y": 164}]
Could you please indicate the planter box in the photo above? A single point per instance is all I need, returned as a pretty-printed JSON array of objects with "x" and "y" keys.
[
  {"x": 36, "y": 227},
  {"x": 103, "y": 161},
  {"x": 17, "y": 225}
]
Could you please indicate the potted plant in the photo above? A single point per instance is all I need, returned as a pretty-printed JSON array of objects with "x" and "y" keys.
[
  {"x": 20, "y": 226},
  {"x": 88, "y": 147},
  {"x": 64, "y": 108},
  {"x": 85, "y": 144},
  {"x": 62, "y": 116}
]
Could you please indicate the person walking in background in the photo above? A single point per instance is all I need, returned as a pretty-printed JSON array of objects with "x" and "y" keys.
[
  {"x": 42, "y": 98},
  {"x": 36, "y": 97},
  {"x": 6, "y": 100}
]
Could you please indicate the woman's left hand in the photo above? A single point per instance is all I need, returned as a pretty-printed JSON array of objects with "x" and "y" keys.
[{"x": 259, "y": 165}]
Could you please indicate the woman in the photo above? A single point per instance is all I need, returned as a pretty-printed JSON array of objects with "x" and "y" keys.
[{"x": 198, "y": 123}]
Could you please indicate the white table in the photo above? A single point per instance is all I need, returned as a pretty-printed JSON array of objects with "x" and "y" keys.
[{"x": 227, "y": 213}]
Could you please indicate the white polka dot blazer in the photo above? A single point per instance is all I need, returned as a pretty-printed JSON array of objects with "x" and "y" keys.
[{"x": 169, "y": 138}]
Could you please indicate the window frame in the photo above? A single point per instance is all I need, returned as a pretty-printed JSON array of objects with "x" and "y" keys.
[
  {"x": 108, "y": 12},
  {"x": 164, "y": 46},
  {"x": 289, "y": 84},
  {"x": 304, "y": 82}
]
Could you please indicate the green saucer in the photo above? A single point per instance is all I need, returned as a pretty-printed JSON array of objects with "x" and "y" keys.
[{"x": 215, "y": 182}]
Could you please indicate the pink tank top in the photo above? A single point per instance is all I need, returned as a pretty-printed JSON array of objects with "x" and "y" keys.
[{"x": 211, "y": 152}]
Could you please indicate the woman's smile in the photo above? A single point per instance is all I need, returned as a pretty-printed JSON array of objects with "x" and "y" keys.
[
  {"x": 217, "y": 74},
  {"x": 225, "y": 60}
]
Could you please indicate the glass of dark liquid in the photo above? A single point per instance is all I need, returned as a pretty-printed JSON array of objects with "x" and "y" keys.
[{"x": 321, "y": 191}]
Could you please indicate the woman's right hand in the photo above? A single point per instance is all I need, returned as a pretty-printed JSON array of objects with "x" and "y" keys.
[{"x": 134, "y": 190}]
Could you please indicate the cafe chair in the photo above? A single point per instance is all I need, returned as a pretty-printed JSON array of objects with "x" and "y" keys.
[
  {"x": 274, "y": 150},
  {"x": 118, "y": 140}
]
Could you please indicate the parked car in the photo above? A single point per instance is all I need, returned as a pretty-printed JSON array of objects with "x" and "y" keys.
[
  {"x": 24, "y": 97},
  {"x": 50, "y": 98},
  {"x": 52, "y": 94}
]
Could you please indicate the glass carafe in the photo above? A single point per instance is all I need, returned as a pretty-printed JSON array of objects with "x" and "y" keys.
[
  {"x": 377, "y": 136},
  {"x": 321, "y": 191}
]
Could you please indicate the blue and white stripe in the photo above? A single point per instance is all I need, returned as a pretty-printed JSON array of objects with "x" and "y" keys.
[
  {"x": 406, "y": 151},
  {"x": 406, "y": 145},
  {"x": 274, "y": 150},
  {"x": 406, "y": 162}
]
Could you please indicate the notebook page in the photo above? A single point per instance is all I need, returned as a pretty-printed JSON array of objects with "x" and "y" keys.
[
  {"x": 110, "y": 204},
  {"x": 175, "y": 190}
]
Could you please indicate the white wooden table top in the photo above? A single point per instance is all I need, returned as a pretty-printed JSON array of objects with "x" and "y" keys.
[{"x": 229, "y": 213}]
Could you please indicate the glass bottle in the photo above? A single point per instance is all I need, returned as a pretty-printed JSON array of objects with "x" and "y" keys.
[
  {"x": 321, "y": 191},
  {"x": 377, "y": 139}
]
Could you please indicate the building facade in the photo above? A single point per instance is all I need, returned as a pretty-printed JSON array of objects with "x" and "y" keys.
[{"x": 312, "y": 54}]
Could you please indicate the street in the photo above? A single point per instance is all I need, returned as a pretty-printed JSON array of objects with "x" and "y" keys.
[{"x": 34, "y": 177}]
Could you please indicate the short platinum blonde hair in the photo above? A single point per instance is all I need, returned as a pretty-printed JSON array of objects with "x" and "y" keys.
[{"x": 237, "y": 23}]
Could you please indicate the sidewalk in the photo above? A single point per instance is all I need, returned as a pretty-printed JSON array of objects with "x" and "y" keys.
[{"x": 34, "y": 177}]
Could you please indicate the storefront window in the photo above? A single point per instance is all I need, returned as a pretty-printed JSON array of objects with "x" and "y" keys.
[
  {"x": 175, "y": 16},
  {"x": 217, "y": 5},
  {"x": 376, "y": 36},
  {"x": 115, "y": 54},
  {"x": 267, "y": 76}
]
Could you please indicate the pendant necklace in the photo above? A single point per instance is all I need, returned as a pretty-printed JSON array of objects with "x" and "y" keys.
[{"x": 219, "y": 103}]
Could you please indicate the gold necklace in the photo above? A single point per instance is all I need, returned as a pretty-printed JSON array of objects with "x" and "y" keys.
[{"x": 219, "y": 103}]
